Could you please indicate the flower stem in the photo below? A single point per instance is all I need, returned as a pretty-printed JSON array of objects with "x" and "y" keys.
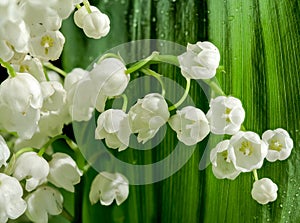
[
  {"x": 138, "y": 65},
  {"x": 67, "y": 215},
  {"x": 125, "y": 102},
  {"x": 43, "y": 149},
  {"x": 87, "y": 6},
  {"x": 54, "y": 68},
  {"x": 255, "y": 175},
  {"x": 24, "y": 150},
  {"x": 9, "y": 68},
  {"x": 182, "y": 99},
  {"x": 214, "y": 87},
  {"x": 157, "y": 76}
]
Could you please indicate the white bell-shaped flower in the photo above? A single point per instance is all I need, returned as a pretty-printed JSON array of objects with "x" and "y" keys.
[
  {"x": 264, "y": 191},
  {"x": 31, "y": 66},
  {"x": 108, "y": 187},
  {"x": 43, "y": 201},
  {"x": 109, "y": 77},
  {"x": 54, "y": 95},
  {"x": 63, "y": 8},
  {"x": 11, "y": 203},
  {"x": 95, "y": 24},
  {"x": 33, "y": 168},
  {"x": 279, "y": 144},
  {"x": 249, "y": 151},
  {"x": 20, "y": 103},
  {"x": 200, "y": 61},
  {"x": 190, "y": 124},
  {"x": 47, "y": 46},
  {"x": 4, "y": 152},
  {"x": 222, "y": 159},
  {"x": 226, "y": 115},
  {"x": 148, "y": 115},
  {"x": 81, "y": 13},
  {"x": 113, "y": 126},
  {"x": 64, "y": 172}
]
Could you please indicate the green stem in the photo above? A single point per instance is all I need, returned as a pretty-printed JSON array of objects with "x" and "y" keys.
[
  {"x": 141, "y": 63},
  {"x": 255, "y": 175},
  {"x": 125, "y": 102},
  {"x": 157, "y": 76},
  {"x": 56, "y": 69},
  {"x": 24, "y": 150},
  {"x": 214, "y": 87},
  {"x": 87, "y": 6},
  {"x": 78, "y": 6},
  {"x": 110, "y": 55},
  {"x": 182, "y": 99},
  {"x": 43, "y": 149},
  {"x": 67, "y": 215},
  {"x": 9, "y": 68}
]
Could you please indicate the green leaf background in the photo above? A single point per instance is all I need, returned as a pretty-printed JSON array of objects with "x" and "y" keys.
[{"x": 259, "y": 45}]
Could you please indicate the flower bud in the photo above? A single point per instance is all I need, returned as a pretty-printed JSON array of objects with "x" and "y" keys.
[
  {"x": 264, "y": 191},
  {"x": 200, "y": 61}
]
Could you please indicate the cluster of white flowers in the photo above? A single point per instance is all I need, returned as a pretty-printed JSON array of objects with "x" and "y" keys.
[{"x": 41, "y": 199}]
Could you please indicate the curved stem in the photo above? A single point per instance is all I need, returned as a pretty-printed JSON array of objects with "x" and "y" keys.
[
  {"x": 157, "y": 76},
  {"x": 9, "y": 68},
  {"x": 43, "y": 149},
  {"x": 54, "y": 68},
  {"x": 67, "y": 215},
  {"x": 182, "y": 99},
  {"x": 24, "y": 150},
  {"x": 214, "y": 87},
  {"x": 138, "y": 65}
]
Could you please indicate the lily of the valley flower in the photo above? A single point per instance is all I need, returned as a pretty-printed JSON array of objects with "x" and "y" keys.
[
  {"x": 95, "y": 24},
  {"x": 33, "y": 168},
  {"x": 249, "y": 151},
  {"x": 4, "y": 152},
  {"x": 64, "y": 172},
  {"x": 11, "y": 203},
  {"x": 190, "y": 125},
  {"x": 200, "y": 61},
  {"x": 223, "y": 158},
  {"x": 226, "y": 115},
  {"x": 20, "y": 103},
  {"x": 148, "y": 115},
  {"x": 264, "y": 191},
  {"x": 113, "y": 126},
  {"x": 108, "y": 187},
  {"x": 279, "y": 144},
  {"x": 43, "y": 201}
]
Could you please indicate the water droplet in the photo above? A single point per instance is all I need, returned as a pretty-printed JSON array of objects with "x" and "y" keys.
[
  {"x": 123, "y": 2},
  {"x": 137, "y": 11},
  {"x": 280, "y": 205},
  {"x": 230, "y": 18},
  {"x": 162, "y": 35},
  {"x": 208, "y": 11},
  {"x": 186, "y": 33},
  {"x": 297, "y": 195},
  {"x": 162, "y": 11},
  {"x": 173, "y": 0},
  {"x": 289, "y": 212},
  {"x": 268, "y": 219},
  {"x": 153, "y": 19}
]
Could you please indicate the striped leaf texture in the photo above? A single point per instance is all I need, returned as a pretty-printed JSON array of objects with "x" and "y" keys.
[{"x": 259, "y": 43}]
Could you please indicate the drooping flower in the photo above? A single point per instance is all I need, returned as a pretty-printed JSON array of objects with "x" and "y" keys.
[
  {"x": 148, "y": 115},
  {"x": 33, "y": 168},
  {"x": 279, "y": 144},
  {"x": 113, "y": 126},
  {"x": 109, "y": 77},
  {"x": 223, "y": 158},
  {"x": 249, "y": 151},
  {"x": 190, "y": 125},
  {"x": 11, "y": 203},
  {"x": 200, "y": 61},
  {"x": 264, "y": 191},
  {"x": 20, "y": 103},
  {"x": 95, "y": 24},
  {"x": 226, "y": 115},
  {"x": 64, "y": 172},
  {"x": 43, "y": 201},
  {"x": 4, "y": 152},
  {"x": 108, "y": 187}
]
